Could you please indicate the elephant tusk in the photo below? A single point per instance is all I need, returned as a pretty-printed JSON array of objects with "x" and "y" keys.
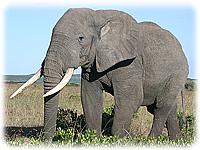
[
  {"x": 62, "y": 83},
  {"x": 32, "y": 80}
]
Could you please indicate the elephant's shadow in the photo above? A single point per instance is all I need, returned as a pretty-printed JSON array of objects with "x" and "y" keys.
[
  {"x": 12, "y": 132},
  {"x": 66, "y": 118}
]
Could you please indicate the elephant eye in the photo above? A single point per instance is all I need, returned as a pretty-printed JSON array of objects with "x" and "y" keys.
[{"x": 81, "y": 38}]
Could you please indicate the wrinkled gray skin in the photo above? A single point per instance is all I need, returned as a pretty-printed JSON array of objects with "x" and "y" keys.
[{"x": 140, "y": 64}]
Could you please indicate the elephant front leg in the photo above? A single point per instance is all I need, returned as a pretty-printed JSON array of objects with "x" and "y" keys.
[
  {"x": 128, "y": 97},
  {"x": 91, "y": 97}
]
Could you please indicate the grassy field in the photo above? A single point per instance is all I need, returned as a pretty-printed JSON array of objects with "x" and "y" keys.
[{"x": 26, "y": 110}]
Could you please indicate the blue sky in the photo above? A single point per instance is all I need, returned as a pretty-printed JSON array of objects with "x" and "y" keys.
[{"x": 28, "y": 32}]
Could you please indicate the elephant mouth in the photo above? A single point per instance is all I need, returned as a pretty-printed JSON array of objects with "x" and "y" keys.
[
  {"x": 62, "y": 83},
  {"x": 38, "y": 75}
]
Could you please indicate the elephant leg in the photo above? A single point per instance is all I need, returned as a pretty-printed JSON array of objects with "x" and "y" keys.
[
  {"x": 160, "y": 117},
  {"x": 50, "y": 115},
  {"x": 165, "y": 103},
  {"x": 128, "y": 98},
  {"x": 172, "y": 124},
  {"x": 92, "y": 101}
]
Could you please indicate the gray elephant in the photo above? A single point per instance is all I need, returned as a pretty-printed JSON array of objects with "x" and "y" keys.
[{"x": 140, "y": 64}]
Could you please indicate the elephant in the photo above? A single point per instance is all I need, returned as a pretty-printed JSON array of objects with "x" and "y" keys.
[{"x": 139, "y": 63}]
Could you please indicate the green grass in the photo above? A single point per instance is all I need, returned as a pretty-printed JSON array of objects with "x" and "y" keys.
[
  {"x": 26, "y": 110},
  {"x": 70, "y": 132}
]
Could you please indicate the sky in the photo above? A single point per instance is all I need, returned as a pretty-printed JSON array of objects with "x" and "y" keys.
[{"x": 28, "y": 32}]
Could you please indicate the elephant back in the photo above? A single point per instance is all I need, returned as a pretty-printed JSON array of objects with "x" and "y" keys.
[
  {"x": 106, "y": 14},
  {"x": 149, "y": 25}
]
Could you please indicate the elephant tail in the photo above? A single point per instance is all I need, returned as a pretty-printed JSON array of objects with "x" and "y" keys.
[{"x": 183, "y": 104}]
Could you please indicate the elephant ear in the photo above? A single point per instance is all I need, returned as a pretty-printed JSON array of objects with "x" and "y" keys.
[{"x": 117, "y": 43}]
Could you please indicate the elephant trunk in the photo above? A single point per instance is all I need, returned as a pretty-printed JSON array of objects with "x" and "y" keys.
[
  {"x": 59, "y": 59},
  {"x": 52, "y": 76}
]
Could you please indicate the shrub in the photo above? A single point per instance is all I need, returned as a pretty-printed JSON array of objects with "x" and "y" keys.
[
  {"x": 71, "y": 132},
  {"x": 64, "y": 136},
  {"x": 190, "y": 84},
  {"x": 67, "y": 118},
  {"x": 107, "y": 120}
]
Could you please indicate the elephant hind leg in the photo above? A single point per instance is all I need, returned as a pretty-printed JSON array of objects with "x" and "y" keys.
[
  {"x": 172, "y": 124},
  {"x": 165, "y": 109}
]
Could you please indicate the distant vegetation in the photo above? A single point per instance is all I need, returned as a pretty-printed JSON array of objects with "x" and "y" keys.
[
  {"x": 190, "y": 84},
  {"x": 76, "y": 79},
  {"x": 23, "y": 78}
]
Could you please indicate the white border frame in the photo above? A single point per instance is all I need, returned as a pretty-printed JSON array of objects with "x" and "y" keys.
[{"x": 84, "y": 3}]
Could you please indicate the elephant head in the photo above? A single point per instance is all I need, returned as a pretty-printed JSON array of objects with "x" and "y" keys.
[{"x": 83, "y": 37}]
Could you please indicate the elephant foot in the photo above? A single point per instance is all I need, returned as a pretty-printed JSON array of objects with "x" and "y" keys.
[
  {"x": 175, "y": 137},
  {"x": 172, "y": 135},
  {"x": 121, "y": 132},
  {"x": 155, "y": 134}
]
